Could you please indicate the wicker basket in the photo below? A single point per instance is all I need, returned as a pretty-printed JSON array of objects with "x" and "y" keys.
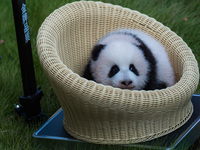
[{"x": 103, "y": 114}]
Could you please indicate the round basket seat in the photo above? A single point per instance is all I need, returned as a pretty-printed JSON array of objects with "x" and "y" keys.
[{"x": 102, "y": 114}]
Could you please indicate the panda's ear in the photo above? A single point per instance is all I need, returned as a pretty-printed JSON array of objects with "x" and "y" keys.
[
  {"x": 135, "y": 41},
  {"x": 96, "y": 51}
]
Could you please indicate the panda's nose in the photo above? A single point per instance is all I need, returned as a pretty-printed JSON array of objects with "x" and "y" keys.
[{"x": 126, "y": 83}]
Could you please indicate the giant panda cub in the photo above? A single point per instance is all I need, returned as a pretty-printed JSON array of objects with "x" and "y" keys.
[{"x": 130, "y": 59}]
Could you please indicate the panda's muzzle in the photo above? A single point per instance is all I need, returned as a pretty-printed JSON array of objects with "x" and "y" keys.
[{"x": 126, "y": 84}]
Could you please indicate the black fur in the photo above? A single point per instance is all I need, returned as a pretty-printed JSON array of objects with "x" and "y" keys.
[
  {"x": 96, "y": 51},
  {"x": 95, "y": 55},
  {"x": 87, "y": 72},
  {"x": 152, "y": 82},
  {"x": 161, "y": 85}
]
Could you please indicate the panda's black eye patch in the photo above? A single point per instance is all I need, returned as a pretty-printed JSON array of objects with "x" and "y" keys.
[
  {"x": 114, "y": 70},
  {"x": 133, "y": 69}
]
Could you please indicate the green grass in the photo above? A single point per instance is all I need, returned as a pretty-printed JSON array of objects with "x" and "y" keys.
[{"x": 14, "y": 134}]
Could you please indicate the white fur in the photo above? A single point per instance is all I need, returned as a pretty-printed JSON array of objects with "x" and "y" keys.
[{"x": 121, "y": 51}]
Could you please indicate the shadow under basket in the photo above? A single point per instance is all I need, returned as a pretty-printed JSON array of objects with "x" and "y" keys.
[{"x": 103, "y": 114}]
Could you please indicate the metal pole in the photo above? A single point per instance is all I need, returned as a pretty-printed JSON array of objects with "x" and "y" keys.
[{"x": 30, "y": 100}]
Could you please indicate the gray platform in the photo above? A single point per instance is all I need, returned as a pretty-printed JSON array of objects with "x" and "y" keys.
[{"x": 183, "y": 137}]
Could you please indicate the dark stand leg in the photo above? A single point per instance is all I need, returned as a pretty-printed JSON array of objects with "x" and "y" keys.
[{"x": 29, "y": 102}]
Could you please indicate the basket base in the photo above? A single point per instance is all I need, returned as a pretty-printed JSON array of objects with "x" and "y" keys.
[{"x": 183, "y": 137}]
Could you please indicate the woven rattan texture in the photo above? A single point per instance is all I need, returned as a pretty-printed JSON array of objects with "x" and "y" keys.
[{"x": 103, "y": 114}]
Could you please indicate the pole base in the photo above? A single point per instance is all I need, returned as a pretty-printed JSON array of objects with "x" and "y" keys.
[{"x": 29, "y": 106}]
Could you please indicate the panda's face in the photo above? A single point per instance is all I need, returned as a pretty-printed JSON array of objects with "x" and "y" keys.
[
  {"x": 120, "y": 64},
  {"x": 123, "y": 77}
]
